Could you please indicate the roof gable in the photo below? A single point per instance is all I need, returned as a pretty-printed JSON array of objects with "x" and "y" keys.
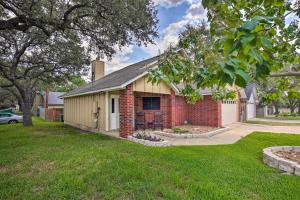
[{"x": 117, "y": 79}]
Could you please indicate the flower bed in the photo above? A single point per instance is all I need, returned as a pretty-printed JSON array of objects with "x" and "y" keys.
[
  {"x": 188, "y": 134},
  {"x": 191, "y": 129},
  {"x": 148, "y": 140},
  {"x": 285, "y": 158}
]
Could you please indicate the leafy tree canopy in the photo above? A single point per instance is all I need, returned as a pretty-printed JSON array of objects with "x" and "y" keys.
[
  {"x": 50, "y": 41},
  {"x": 244, "y": 41},
  {"x": 73, "y": 83}
]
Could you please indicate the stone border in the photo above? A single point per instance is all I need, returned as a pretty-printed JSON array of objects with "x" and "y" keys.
[
  {"x": 191, "y": 135},
  {"x": 149, "y": 143},
  {"x": 275, "y": 161}
]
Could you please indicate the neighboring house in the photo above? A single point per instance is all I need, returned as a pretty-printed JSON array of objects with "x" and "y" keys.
[
  {"x": 54, "y": 106},
  {"x": 48, "y": 105},
  {"x": 111, "y": 102},
  {"x": 251, "y": 94}
]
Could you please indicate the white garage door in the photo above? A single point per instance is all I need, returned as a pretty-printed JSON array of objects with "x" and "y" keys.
[
  {"x": 229, "y": 112},
  {"x": 250, "y": 110}
]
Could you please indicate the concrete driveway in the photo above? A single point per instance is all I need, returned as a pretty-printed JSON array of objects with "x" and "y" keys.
[{"x": 236, "y": 132}]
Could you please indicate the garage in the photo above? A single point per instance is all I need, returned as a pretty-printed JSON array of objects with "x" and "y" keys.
[
  {"x": 250, "y": 110},
  {"x": 229, "y": 112}
]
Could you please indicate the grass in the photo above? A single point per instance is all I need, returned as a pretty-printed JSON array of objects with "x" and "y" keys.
[
  {"x": 50, "y": 161},
  {"x": 273, "y": 123},
  {"x": 281, "y": 117}
]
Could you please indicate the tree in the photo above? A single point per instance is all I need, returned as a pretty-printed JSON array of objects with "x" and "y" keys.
[
  {"x": 249, "y": 40},
  {"x": 73, "y": 83},
  {"x": 50, "y": 41},
  {"x": 280, "y": 92},
  {"x": 6, "y": 99}
]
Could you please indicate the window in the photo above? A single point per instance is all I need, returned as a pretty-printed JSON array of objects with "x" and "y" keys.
[
  {"x": 113, "y": 105},
  {"x": 151, "y": 103},
  {"x": 5, "y": 115}
]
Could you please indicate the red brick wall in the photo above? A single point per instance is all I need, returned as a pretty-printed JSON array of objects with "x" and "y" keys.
[
  {"x": 182, "y": 111},
  {"x": 165, "y": 107},
  {"x": 206, "y": 112},
  {"x": 126, "y": 108},
  {"x": 53, "y": 114},
  {"x": 176, "y": 110}
]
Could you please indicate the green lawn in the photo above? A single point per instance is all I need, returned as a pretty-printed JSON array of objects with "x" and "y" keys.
[
  {"x": 281, "y": 118},
  {"x": 273, "y": 123},
  {"x": 50, "y": 161}
]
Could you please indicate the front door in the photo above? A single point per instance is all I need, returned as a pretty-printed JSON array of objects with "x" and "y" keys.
[{"x": 114, "y": 112}]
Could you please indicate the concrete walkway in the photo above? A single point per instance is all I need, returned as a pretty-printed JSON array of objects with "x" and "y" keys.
[
  {"x": 236, "y": 132},
  {"x": 275, "y": 120}
]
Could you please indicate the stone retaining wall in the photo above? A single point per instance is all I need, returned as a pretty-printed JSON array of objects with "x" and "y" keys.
[
  {"x": 149, "y": 143},
  {"x": 275, "y": 161}
]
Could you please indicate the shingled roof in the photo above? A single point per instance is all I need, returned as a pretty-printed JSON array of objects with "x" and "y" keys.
[
  {"x": 249, "y": 90},
  {"x": 117, "y": 79}
]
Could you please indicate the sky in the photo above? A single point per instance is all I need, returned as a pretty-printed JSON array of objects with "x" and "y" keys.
[{"x": 173, "y": 15}]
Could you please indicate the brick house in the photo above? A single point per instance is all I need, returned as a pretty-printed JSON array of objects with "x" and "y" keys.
[{"x": 111, "y": 102}]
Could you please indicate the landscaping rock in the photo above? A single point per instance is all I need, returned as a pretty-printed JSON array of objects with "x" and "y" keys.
[
  {"x": 280, "y": 158},
  {"x": 149, "y": 143}
]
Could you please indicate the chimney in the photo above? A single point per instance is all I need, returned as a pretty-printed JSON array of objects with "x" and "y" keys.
[{"x": 97, "y": 69}]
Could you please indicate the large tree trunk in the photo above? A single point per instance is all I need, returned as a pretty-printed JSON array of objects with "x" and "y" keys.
[
  {"x": 292, "y": 109},
  {"x": 275, "y": 103},
  {"x": 27, "y": 120},
  {"x": 27, "y": 102}
]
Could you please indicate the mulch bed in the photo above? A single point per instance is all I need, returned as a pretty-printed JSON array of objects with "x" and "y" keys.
[
  {"x": 193, "y": 129},
  {"x": 290, "y": 155}
]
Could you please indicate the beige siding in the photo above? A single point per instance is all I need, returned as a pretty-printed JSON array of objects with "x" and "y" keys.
[
  {"x": 79, "y": 111},
  {"x": 142, "y": 85}
]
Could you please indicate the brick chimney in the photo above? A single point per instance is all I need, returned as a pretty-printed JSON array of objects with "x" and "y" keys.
[{"x": 97, "y": 69}]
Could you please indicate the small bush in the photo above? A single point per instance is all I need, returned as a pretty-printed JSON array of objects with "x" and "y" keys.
[
  {"x": 179, "y": 130},
  {"x": 287, "y": 114}
]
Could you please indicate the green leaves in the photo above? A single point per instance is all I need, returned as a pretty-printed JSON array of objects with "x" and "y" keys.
[
  {"x": 254, "y": 22},
  {"x": 266, "y": 42},
  {"x": 233, "y": 73},
  {"x": 242, "y": 78},
  {"x": 247, "y": 39},
  {"x": 255, "y": 55}
]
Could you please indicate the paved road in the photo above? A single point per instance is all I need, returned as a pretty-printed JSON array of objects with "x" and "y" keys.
[{"x": 236, "y": 132}]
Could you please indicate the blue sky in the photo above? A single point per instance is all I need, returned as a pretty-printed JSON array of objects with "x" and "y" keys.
[{"x": 173, "y": 15}]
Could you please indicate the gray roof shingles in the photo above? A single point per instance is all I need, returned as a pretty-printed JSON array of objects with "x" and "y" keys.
[
  {"x": 53, "y": 98},
  {"x": 249, "y": 90},
  {"x": 122, "y": 76},
  {"x": 115, "y": 79}
]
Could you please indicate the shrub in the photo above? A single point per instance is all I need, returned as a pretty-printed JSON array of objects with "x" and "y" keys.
[{"x": 179, "y": 130}]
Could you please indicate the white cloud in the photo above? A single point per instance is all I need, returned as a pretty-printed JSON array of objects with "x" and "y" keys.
[
  {"x": 173, "y": 3},
  {"x": 168, "y": 3},
  {"x": 169, "y": 36},
  {"x": 196, "y": 11},
  {"x": 119, "y": 60}
]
